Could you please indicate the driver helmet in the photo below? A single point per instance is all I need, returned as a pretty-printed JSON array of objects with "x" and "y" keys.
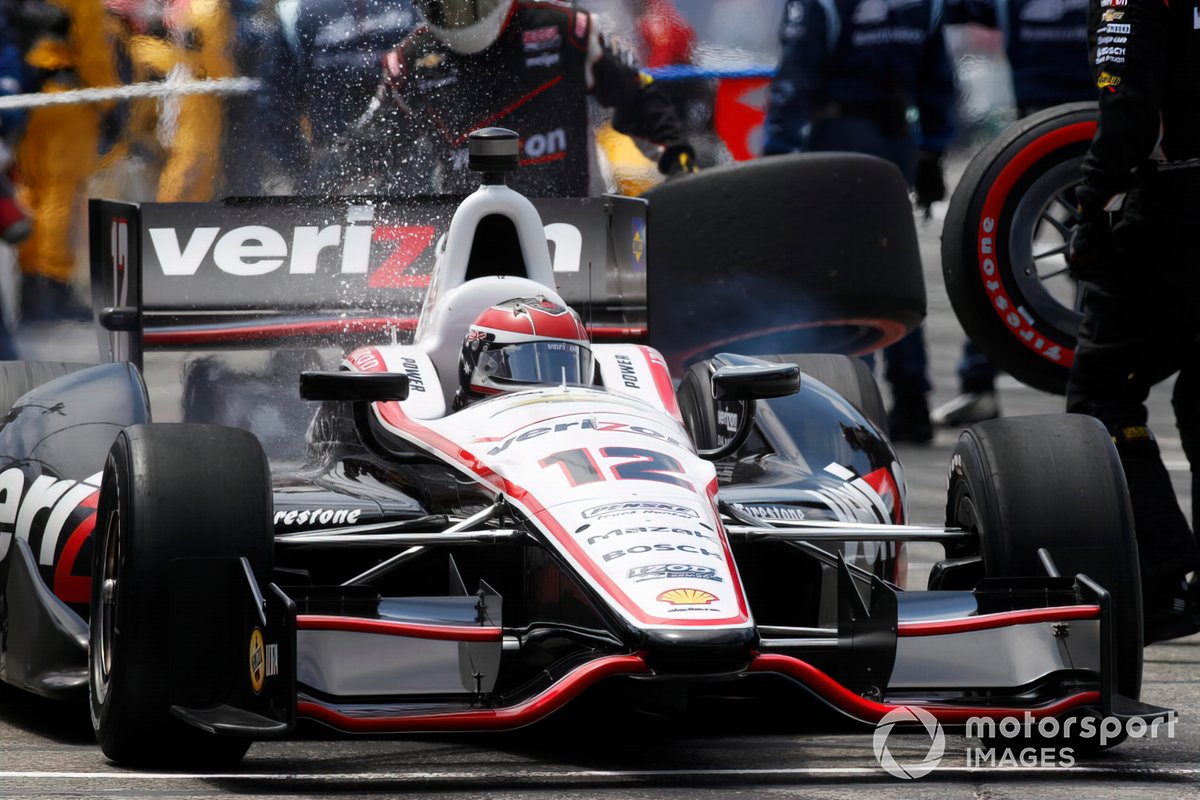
[
  {"x": 527, "y": 341},
  {"x": 466, "y": 26}
]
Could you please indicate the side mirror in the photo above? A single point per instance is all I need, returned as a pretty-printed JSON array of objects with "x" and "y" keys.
[
  {"x": 343, "y": 385},
  {"x": 750, "y": 379},
  {"x": 742, "y": 379}
]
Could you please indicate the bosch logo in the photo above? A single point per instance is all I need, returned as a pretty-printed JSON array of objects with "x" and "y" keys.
[{"x": 661, "y": 548}]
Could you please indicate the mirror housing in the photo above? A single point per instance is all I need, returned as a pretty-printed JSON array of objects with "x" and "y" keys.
[
  {"x": 347, "y": 386},
  {"x": 742, "y": 378}
]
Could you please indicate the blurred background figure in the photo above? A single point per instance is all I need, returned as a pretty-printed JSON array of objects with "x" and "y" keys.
[
  {"x": 850, "y": 72},
  {"x": 320, "y": 73},
  {"x": 15, "y": 227},
  {"x": 191, "y": 40},
  {"x": 67, "y": 46},
  {"x": 1045, "y": 42}
]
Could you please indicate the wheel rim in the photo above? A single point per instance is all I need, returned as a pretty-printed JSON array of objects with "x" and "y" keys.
[
  {"x": 106, "y": 610},
  {"x": 1040, "y": 232}
]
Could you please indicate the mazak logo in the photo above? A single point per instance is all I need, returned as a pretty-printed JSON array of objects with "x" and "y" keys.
[{"x": 910, "y": 769}]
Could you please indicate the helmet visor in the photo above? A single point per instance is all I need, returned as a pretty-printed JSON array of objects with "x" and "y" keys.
[
  {"x": 451, "y": 14},
  {"x": 536, "y": 362}
]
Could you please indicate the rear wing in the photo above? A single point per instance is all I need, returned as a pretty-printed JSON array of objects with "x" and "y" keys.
[{"x": 263, "y": 271}]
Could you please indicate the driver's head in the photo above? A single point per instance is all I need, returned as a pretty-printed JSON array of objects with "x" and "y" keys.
[
  {"x": 466, "y": 26},
  {"x": 520, "y": 343}
]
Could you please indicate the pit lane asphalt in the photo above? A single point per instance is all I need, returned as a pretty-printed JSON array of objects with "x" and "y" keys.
[{"x": 47, "y": 750}]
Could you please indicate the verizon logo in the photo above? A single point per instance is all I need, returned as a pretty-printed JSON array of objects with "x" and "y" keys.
[{"x": 253, "y": 250}]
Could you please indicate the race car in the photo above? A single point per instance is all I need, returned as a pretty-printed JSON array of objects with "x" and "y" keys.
[{"x": 417, "y": 565}]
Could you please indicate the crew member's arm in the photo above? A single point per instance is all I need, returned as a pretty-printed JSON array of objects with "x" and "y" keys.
[
  {"x": 1128, "y": 49},
  {"x": 639, "y": 108},
  {"x": 807, "y": 36}
]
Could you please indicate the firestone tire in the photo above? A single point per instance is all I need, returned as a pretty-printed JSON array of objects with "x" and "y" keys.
[
  {"x": 1053, "y": 481},
  {"x": 811, "y": 252},
  {"x": 163, "y": 498},
  {"x": 1004, "y": 245}
]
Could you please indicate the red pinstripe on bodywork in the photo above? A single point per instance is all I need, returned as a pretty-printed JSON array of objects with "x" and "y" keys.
[
  {"x": 585, "y": 676},
  {"x": 387, "y": 627},
  {"x": 985, "y": 622}
]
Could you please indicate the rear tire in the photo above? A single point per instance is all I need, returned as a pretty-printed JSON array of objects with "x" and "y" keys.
[
  {"x": 1053, "y": 481},
  {"x": 19, "y": 377},
  {"x": 161, "y": 499},
  {"x": 810, "y": 252}
]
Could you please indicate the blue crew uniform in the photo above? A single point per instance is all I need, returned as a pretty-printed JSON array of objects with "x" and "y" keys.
[{"x": 850, "y": 73}]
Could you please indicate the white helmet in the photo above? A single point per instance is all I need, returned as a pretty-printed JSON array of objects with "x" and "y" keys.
[{"x": 466, "y": 26}]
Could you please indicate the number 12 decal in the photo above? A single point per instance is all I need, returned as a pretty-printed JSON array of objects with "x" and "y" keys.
[{"x": 580, "y": 466}]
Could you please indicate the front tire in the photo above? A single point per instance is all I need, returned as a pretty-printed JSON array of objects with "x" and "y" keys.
[
  {"x": 169, "y": 491},
  {"x": 1053, "y": 481}
]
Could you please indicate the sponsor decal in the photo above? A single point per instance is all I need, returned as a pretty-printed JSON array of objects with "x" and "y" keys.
[
  {"x": 1115, "y": 53},
  {"x": 640, "y": 549},
  {"x": 544, "y": 60},
  {"x": 538, "y": 39},
  {"x": 46, "y": 505},
  {"x": 763, "y": 511},
  {"x": 628, "y": 373},
  {"x": 272, "y": 660},
  {"x": 638, "y": 507},
  {"x": 430, "y": 60},
  {"x": 639, "y": 240},
  {"x": 1112, "y": 15},
  {"x": 1117, "y": 27},
  {"x": 413, "y": 370},
  {"x": 542, "y": 145},
  {"x": 686, "y": 597},
  {"x": 586, "y": 424},
  {"x": 318, "y": 516},
  {"x": 1105, "y": 80},
  {"x": 251, "y": 250},
  {"x": 655, "y": 572},
  {"x": 258, "y": 661},
  {"x": 616, "y": 532}
]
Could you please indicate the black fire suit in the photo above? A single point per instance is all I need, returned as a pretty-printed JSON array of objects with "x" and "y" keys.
[
  {"x": 1142, "y": 315},
  {"x": 535, "y": 79}
]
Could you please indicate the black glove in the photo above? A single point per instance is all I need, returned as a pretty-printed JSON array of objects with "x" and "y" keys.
[
  {"x": 1090, "y": 252},
  {"x": 928, "y": 182},
  {"x": 678, "y": 159}
]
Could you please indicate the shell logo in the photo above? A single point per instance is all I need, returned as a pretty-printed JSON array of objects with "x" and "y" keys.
[
  {"x": 258, "y": 672},
  {"x": 686, "y": 597}
]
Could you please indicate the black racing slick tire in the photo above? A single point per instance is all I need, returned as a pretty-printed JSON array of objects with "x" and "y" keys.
[
  {"x": 169, "y": 491},
  {"x": 813, "y": 252},
  {"x": 847, "y": 376},
  {"x": 20, "y": 377},
  {"x": 1004, "y": 245},
  {"x": 1055, "y": 482}
]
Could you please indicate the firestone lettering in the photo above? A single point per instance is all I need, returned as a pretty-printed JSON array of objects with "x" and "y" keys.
[{"x": 318, "y": 516}]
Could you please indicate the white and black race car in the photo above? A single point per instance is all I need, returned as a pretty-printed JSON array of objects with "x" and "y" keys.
[{"x": 369, "y": 558}]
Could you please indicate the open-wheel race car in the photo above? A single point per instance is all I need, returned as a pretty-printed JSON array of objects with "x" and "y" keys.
[{"x": 420, "y": 565}]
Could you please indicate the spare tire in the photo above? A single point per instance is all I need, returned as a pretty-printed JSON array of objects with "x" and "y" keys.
[
  {"x": 1004, "y": 245},
  {"x": 813, "y": 252}
]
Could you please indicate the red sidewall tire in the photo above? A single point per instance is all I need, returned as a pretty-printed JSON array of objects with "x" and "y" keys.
[{"x": 1001, "y": 305}]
